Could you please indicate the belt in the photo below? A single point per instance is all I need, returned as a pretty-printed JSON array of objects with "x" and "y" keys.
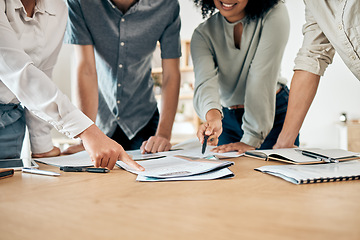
[
  {"x": 236, "y": 107},
  {"x": 242, "y": 106}
]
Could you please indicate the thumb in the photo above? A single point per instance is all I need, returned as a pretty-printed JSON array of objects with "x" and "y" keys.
[{"x": 209, "y": 130}]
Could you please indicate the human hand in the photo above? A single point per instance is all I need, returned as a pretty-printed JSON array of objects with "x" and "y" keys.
[
  {"x": 155, "y": 144},
  {"x": 52, "y": 153},
  {"x": 213, "y": 129},
  {"x": 103, "y": 151},
  {"x": 238, "y": 146},
  {"x": 73, "y": 149}
]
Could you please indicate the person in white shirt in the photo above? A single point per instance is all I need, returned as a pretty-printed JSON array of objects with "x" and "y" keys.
[
  {"x": 31, "y": 36},
  {"x": 330, "y": 26}
]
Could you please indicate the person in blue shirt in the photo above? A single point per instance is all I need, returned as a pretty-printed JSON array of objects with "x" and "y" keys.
[{"x": 114, "y": 44}]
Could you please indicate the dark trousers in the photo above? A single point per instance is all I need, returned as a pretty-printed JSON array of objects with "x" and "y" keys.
[
  {"x": 143, "y": 135},
  {"x": 12, "y": 130},
  {"x": 232, "y": 122}
]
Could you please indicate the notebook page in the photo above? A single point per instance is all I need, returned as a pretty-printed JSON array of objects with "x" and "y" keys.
[{"x": 287, "y": 153}]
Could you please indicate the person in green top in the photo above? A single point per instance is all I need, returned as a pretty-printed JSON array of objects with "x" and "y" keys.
[{"x": 239, "y": 91}]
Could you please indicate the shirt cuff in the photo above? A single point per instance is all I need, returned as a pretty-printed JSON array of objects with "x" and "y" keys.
[
  {"x": 251, "y": 140},
  {"x": 73, "y": 123},
  {"x": 309, "y": 68},
  {"x": 41, "y": 144},
  {"x": 311, "y": 65}
]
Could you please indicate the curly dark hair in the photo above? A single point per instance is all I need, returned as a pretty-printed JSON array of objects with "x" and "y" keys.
[{"x": 254, "y": 9}]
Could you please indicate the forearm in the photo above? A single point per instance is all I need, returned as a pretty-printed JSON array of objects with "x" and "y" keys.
[
  {"x": 87, "y": 94},
  {"x": 170, "y": 99},
  {"x": 86, "y": 86},
  {"x": 302, "y": 92}
]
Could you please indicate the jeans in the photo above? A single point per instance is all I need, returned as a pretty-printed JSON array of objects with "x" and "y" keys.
[
  {"x": 143, "y": 135},
  {"x": 12, "y": 130},
  {"x": 232, "y": 122}
]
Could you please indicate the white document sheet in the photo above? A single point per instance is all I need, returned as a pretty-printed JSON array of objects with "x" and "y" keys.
[
  {"x": 195, "y": 152},
  {"x": 175, "y": 167},
  {"x": 80, "y": 159},
  {"x": 137, "y": 155},
  {"x": 217, "y": 174},
  {"x": 192, "y": 147}
]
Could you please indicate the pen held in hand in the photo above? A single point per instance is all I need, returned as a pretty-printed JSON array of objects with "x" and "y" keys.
[{"x": 206, "y": 137}]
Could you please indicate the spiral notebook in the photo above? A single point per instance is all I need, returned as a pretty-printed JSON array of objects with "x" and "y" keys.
[{"x": 316, "y": 173}]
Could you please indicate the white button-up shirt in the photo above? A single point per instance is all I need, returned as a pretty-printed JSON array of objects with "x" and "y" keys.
[
  {"x": 28, "y": 52},
  {"x": 330, "y": 25}
]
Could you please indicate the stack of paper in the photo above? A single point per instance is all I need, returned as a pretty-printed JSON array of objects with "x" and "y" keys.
[
  {"x": 184, "y": 162},
  {"x": 171, "y": 168}
]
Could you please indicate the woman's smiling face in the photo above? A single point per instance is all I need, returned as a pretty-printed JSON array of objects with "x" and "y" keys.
[{"x": 232, "y": 10}]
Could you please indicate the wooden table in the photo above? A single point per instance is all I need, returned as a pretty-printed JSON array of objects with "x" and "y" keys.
[{"x": 252, "y": 205}]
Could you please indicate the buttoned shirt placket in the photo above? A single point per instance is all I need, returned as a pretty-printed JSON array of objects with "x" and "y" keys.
[{"x": 121, "y": 63}]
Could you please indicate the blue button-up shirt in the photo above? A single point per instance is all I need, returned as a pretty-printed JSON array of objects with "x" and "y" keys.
[{"x": 124, "y": 46}]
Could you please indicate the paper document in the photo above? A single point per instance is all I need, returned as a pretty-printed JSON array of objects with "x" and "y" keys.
[
  {"x": 175, "y": 167},
  {"x": 217, "y": 174},
  {"x": 80, "y": 159},
  {"x": 192, "y": 147},
  {"x": 137, "y": 155},
  {"x": 195, "y": 152}
]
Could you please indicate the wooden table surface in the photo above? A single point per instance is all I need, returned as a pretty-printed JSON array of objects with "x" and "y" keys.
[{"x": 252, "y": 205}]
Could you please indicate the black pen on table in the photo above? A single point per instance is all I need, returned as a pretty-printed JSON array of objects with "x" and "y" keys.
[
  {"x": 319, "y": 157},
  {"x": 84, "y": 169}
]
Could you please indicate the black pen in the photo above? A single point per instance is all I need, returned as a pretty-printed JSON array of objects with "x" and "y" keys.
[
  {"x": 84, "y": 169},
  {"x": 206, "y": 137},
  {"x": 318, "y": 157}
]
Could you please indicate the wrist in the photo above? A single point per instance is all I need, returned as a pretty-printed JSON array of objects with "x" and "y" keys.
[
  {"x": 89, "y": 132},
  {"x": 163, "y": 134},
  {"x": 286, "y": 139},
  {"x": 213, "y": 115}
]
